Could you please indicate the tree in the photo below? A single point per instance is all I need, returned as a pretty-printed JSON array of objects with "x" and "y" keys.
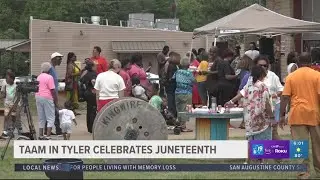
[
  {"x": 196, "y": 13},
  {"x": 15, "y": 14}
]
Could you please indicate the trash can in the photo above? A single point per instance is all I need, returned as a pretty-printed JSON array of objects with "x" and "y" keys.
[{"x": 67, "y": 168}]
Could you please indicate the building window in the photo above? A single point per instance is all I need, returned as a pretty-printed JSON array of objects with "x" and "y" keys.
[{"x": 310, "y": 12}]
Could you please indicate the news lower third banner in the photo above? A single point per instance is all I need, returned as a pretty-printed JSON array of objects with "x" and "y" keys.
[
  {"x": 161, "y": 149},
  {"x": 65, "y": 167},
  {"x": 145, "y": 149}
]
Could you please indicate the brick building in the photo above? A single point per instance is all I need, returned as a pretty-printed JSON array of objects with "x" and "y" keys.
[
  {"x": 115, "y": 41},
  {"x": 299, "y": 9}
]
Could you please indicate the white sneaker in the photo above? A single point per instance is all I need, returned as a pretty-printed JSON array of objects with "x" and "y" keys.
[{"x": 47, "y": 138}]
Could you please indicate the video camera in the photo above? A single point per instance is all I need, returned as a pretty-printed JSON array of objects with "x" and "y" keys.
[
  {"x": 25, "y": 86},
  {"x": 28, "y": 86}
]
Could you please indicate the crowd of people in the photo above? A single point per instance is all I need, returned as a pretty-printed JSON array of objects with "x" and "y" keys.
[
  {"x": 248, "y": 82},
  {"x": 267, "y": 103},
  {"x": 194, "y": 78},
  {"x": 97, "y": 84}
]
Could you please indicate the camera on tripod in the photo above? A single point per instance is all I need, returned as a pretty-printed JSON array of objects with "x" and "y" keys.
[
  {"x": 26, "y": 87},
  {"x": 23, "y": 89}
]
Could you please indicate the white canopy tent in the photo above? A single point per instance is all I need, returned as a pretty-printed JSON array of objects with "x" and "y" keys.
[{"x": 259, "y": 20}]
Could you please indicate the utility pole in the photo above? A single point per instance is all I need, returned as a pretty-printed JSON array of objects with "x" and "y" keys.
[{"x": 174, "y": 8}]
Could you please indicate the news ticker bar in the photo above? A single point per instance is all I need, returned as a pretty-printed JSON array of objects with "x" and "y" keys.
[
  {"x": 161, "y": 149},
  {"x": 159, "y": 167}
]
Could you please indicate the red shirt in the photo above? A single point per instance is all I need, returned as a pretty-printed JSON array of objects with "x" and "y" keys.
[
  {"x": 127, "y": 81},
  {"x": 101, "y": 63}
]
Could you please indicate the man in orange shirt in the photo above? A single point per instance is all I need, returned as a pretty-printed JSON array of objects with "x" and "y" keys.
[
  {"x": 101, "y": 62},
  {"x": 302, "y": 89}
]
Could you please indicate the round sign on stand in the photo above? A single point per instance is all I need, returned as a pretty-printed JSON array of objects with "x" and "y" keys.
[{"x": 129, "y": 119}]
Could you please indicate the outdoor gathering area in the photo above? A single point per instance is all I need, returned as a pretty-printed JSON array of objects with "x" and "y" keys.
[{"x": 250, "y": 73}]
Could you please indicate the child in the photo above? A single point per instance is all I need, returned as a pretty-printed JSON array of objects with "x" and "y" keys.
[
  {"x": 66, "y": 118},
  {"x": 168, "y": 116},
  {"x": 8, "y": 91},
  {"x": 156, "y": 101},
  {"x": 137, "y": 90}
]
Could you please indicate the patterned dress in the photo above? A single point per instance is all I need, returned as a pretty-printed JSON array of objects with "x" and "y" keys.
[{"x": 255, "y": 115}]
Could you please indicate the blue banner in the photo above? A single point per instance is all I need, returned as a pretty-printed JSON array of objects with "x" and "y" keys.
[{"x": 160, "y": 167}]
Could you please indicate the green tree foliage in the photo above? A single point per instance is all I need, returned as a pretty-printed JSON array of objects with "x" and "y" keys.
[
  {"x": 196, "y": 13},
  {"x": 15, "y": 15},
  {"x": 14, "y": 60}
]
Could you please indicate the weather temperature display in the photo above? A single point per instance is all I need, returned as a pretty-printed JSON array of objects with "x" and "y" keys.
[{"x": 299, "y": 149}]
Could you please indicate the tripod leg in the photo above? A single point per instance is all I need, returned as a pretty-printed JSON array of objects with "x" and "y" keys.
[
  {"x": 30, "y": 121},
  {"x": 6, "y": 147},
  {"x": 11, "y": 135}
]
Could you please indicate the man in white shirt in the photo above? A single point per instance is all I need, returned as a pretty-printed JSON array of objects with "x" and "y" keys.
[{"x": 109, "y": 85}]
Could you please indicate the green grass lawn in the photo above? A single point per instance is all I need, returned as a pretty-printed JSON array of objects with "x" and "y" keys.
[{"x": 7, "y": 170}]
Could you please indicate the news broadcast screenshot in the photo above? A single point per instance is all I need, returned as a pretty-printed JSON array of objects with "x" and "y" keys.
[{"x": 159, "y": 89}]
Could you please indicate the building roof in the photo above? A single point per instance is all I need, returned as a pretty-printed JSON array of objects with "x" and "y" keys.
[
  {"x": 138, "y": 46},
  {"x": 4, "y": 43},
  {"x": 12, "y": 44}
]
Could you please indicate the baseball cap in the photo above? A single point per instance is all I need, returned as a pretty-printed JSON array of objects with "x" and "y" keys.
[
  {"x": 56, "y": 54},
  {"x": 252, "y": 54}
]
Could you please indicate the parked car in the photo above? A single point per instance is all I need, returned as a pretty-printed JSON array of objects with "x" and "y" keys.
[{"x": 153, "y": 78}]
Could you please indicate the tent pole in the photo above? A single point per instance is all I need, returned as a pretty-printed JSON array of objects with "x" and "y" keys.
[
  {"x": 207, "y": 41},
  {"x": 215, "y": 37},
  {"x": 244, "y": 42},
  {"x": 215, "y": 40}
]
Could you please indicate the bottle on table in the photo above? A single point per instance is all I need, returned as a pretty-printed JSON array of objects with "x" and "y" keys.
[
  {"x": 219, "y": 109},
  {"x": 227, "y": 109},
  {"x": 213, "y": 104}
]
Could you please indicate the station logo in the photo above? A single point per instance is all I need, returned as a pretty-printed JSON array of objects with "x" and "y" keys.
[
  {"x": 269, "y": 149},
  {"x": 258, "y": 149}
]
